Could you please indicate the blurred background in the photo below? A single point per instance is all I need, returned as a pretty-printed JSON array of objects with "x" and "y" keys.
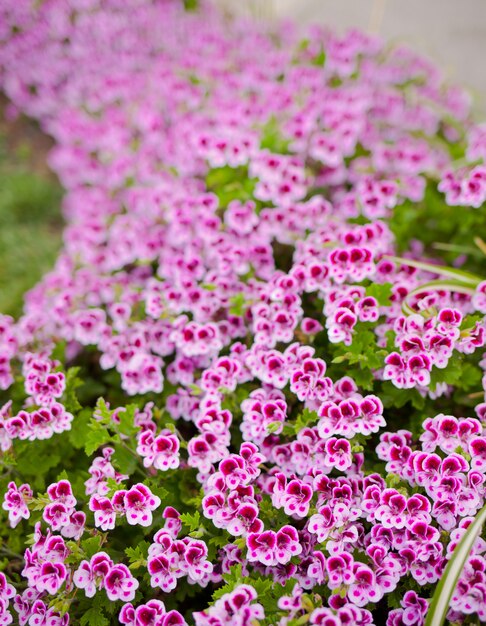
[{"x": 450, "y": 32}]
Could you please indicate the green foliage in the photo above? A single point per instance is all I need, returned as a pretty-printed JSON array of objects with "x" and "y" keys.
[
  {"x": 30, "y": 233},
  {"x": 380, "y": 291},
  {"x": 191, "y": 521},
  {"x": 69, "y": 398},
  {"x": 445, "y": 231},
  {"x": 105, "y": 428},
  {"x": 238, "y": 304},
  {"x": 320, "y": 58},
  {"x": 272, "y": 139},
  {"x": 304, "y": 419},
  {"x": 230, "y": 183},
  {"x": 363, "y": 354},
  {"x": 458, "y": 372},
  {"x": 96, "y": 615},
  {"x": 98, "y": 435},
  {"x": 137, "y": 556},
  {"x": 191, "y": 5}
]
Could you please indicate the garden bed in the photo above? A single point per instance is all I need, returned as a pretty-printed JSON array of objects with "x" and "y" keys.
[{"x": 251, "y": 389}]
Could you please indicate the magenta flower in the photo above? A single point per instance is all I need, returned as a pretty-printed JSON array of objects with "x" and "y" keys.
[
  {"x": 51, "y": 577},
  {"x": 309, "y": 383},
  {"x": 90, "y": 575},
  {"x": 104, "y": 513},
  {"x": 364, "y": 589},
  {"x": 287, "y": 544},
  {"x": 338, "y": 453},
  {"x": 139, "y": 502},
  {"x": 120, "y": 584},
  {"x": 196, "y": 563},
  {"x": 392, "y": 510},
  {"x": 161, "y": 574},
  {"x": 262, "y": 547},
  {"x": 15, "y": 502}
]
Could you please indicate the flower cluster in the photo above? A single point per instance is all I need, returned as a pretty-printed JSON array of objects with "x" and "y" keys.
[{"x": 235, "y": 198}]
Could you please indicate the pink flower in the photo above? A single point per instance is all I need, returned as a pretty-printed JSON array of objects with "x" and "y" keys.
[
  {"x": 287, "y": 544},
  {"x": 161, "y": 574},
  {"x": 296, "y": 500},
  {"x": 338, "y": 453},
  {"x": 262, "y": 547},
  {"x": 104, "y": 513},
  {"x": 90, "y": 575},
  {"x": 15, "y": 502},
  {"x": 364, "y": 589},
  {"x": 120, "y": 584},
  {"x": 197, "y": 565},
  {"x": 139, "y": 503},
  {"x": 308, "y": 381},
  {"x": 51, "y": 577}
]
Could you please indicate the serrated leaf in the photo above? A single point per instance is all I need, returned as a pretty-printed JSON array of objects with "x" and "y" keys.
[
  {"x": 126, "y": 418},
  {"x": 154, "y": 485},
  {"x": 94, "y": 617},
  {"x": 79, "y": 426},
  {"x": 91, "y": 545},
  {"x": 191, "y": 520},
  {"x": 137, "y": 556},
  {"x": 306, "y": 418},
  {"x": 103, "y": 412},
  {"x": 97, "y": 436}
]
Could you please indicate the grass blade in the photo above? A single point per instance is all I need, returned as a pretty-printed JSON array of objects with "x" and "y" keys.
[
  {"x": 446, "y": 285},
  {"x": 439, "y": 605},
  {"x": 449, "y": 272}
]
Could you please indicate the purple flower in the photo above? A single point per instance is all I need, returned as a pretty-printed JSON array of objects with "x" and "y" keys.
[
  {"x": 120, "y": 584},
  {"x": 139, "y": 502},
  {"x": 15, "y": 502}
]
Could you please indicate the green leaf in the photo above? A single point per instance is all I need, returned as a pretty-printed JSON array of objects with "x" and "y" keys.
[
  {"x": 440, "y": 603},
  {"x": 238, "y": 304},
  {"x": 452, "y": 374},
  {"x": 138, "y": 556},
  {"x": 124, "y": 460},
  {"x": 320, "y": 58},
  {"x": 36, "y": 460},
  {"x": 95, "y": 615},
  {"x": 69, "y": 398},
  {"x": 126, "y": 424},
  {"x": 79, "y": 426},
  {"x": 103, "y": 412},
  {"x": 306, "y": 418},
  {"x": 192, "y": 521},
  {"x": 272, "y": 138},
  {"x": 380, "y": 291},
  {"x": 92, "y": 545},
  {"x": 232, "y": 580},
  {"x": 97, "y": 436},
  {"x": 154, "y": 485},
  {"x": 191, "y": 5}
]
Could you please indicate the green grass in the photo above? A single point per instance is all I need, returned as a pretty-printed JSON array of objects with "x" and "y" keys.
[{"x": 30, "y": 225}]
